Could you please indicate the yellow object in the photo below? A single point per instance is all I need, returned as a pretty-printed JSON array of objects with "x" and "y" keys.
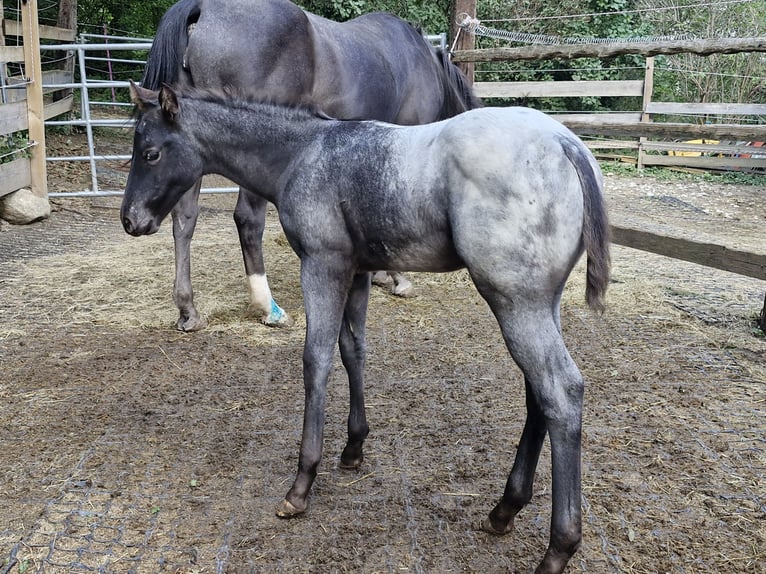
[{"x": 693, "y": 153}]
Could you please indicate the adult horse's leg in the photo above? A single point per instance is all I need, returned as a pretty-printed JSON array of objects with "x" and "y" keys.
[
  {"x": 325, "y": 285},
  {"x": 250, "y": 218},
  {"x": 353, "y": 350},
  {"x": 555, "y": 391},
  {"x": 184, "y": 216},
  {"x": 399, "y": 283}
]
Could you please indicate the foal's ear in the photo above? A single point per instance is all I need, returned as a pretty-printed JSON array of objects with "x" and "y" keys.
[
  {"x": 169, "y": 102},
  {"x": 141, "y": 97}
]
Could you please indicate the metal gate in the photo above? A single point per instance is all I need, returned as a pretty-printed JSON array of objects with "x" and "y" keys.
[{"x": 92, "y": 49}]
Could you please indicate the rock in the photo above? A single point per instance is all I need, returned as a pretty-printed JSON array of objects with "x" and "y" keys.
[{"x": 22, "y": 207}]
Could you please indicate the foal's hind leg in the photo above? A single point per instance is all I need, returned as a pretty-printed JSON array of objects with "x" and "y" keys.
[
  {"x": 250, "y": 218},
  {"x": 184, "y": 217},
  {"x": 353, "y": 350},
  {"x": 518, "y": 488},
  {"x": 554, "y": 398}
]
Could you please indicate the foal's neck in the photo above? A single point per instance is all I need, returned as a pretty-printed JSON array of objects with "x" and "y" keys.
[{"x": 251, "y": 143}]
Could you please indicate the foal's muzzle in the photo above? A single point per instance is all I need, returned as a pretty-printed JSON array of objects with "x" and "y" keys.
[{"x": 136, "y": 226}]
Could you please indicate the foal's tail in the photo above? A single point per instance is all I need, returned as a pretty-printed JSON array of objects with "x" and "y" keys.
[
  {"x": 165, "y": 59},
  {"x": 458, "y": 93},
  {"x": 596, "y": 233}
]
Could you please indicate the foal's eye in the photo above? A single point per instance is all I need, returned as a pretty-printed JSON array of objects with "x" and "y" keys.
[{"x": 151, "y": 155}]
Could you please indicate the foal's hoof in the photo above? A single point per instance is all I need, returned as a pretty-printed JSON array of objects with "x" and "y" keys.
[
  {"x": 277, "y": 317},
  {"x": 488, "y": 526},
  {"x": 286, "y": 509},
  {"x": 190, "y": 324},
  {"x": 351, "y": 459}
]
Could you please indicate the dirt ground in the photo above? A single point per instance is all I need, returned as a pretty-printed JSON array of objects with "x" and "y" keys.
[{"x": 129, "y": 447}]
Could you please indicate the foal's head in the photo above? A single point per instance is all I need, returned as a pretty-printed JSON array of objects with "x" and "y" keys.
[{"x": 165, "y": 163}]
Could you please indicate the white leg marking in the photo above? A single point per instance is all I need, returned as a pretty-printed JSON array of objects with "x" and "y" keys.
[{"x": 263, "y": 303}]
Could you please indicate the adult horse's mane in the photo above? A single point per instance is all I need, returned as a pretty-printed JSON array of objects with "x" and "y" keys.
[
  {"x": 238, "y": 98},
  {"x": 460, "y": 95}
]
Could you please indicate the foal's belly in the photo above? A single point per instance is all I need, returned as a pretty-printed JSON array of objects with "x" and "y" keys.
[{"x": 435, "y": 255}]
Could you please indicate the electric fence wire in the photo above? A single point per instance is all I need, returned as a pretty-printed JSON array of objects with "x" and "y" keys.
[{"x": 475, "y": 27}]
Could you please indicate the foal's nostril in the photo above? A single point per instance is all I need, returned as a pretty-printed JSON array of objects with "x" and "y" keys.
[{"x": 127, "y": 224}]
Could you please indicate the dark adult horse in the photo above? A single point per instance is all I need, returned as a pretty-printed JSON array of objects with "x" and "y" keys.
[
  {"x": 376, "y": 66},
  {"x": 508, "y": 193}
]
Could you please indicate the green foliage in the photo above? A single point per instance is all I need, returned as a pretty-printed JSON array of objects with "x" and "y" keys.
[
  {"x": 682, "y": 77},
  {"x": 14, "y": 146},
  {"x": 715, "y": 78},
  {"x": 430, "y": 16},
  {"x": 675, "y": 175},
  {"x": 137, "y": 18},
  {"x": 141, "y": 18},
  {"x": 545, "y": 18}
]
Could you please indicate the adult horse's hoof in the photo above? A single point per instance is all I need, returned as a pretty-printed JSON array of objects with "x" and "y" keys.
[
  {"x": 287, "y": 509},
  {"x": 190, "y": 324},
  {"x": 381, "y": 278},
  {"x": 277, "y": 317},
  {"x": 403, "y": 288}
]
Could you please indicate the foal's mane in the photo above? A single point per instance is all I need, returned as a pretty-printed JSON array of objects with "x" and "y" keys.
[{"x": 242, "y": 99}]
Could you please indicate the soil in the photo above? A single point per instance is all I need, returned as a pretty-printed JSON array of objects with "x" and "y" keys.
[{"x": 128, "y": 446}]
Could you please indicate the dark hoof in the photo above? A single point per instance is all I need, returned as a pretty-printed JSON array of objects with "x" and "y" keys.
[
  {"x": 191, "y": 324},
  {"x": 351, "y": 458},
  {"x": 488, "y": 526},
  {"x": 353, "y": 464}
]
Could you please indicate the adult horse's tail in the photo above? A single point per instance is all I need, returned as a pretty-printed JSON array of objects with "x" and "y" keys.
[
  {"x": 595, "y": 232},
  {"x": 165, "y": 60},
  {"x": 458, "y": 93}
]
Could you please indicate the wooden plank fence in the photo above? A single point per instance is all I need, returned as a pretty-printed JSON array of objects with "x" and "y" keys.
[
  {"x": 644, "y": 123},
  {"x": 25, "y": 105}
]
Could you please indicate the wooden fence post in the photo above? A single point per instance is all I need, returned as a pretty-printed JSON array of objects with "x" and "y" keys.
[
  {"x": 462, "y": 39},
  {"x": 647, "y": 98},
  {"x": 3, "y": 74},
  {"x": 35, "y": 106}
]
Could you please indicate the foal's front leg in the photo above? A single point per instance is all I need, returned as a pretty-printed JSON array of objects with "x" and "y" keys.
[
  {"x": 325, "y": 288},
  {"x": 184, "y": 216},
  {"x": 250, "y": 218}
]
